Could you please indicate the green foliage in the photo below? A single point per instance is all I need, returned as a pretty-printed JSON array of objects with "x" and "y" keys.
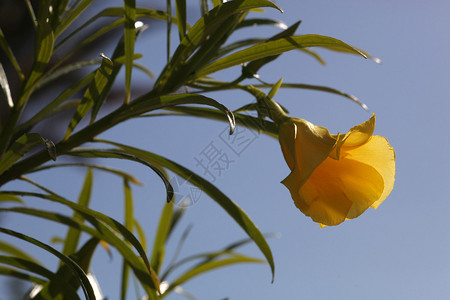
[{"x": 203, "y": 49}]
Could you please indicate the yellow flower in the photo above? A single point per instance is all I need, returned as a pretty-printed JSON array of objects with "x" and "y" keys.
[{"x": 336, "y": 177}]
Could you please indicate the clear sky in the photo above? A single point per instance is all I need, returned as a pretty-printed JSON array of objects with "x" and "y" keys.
[{"x": 399, "y": 251}]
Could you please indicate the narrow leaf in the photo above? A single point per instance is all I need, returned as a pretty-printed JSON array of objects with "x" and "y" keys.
[
  {"x": 124, "y": 175},
  {"x": 21, "y": 275},
  {"x": 259, "y": 22},
  {"x": 19, "y": 148},
  {"x": 5, "y": 86},
  {"x": 229, "y": 206},
  {"x": 319, "y": 88},
  {"x": 73, "y": 14},
  {"x": 202, "y": 30},
  {"x": 27, "y": 265},
  {"x": 94, "y": 95},
  {"x": 129, "y": 38},
  {"x": 107, "y": 153},
  {"x": 43, "y": 52},
  {"x": 73, "y": 234},
  {"x": 10, "y": 55},
  {"x": 80, "y": 275},
  {"x": 143, "y": 104},
  {"x": 276, "y": 47},
  {"x": 16, "y": 251},
  {"x": 251, "y": 69},
  {"x": 105, "y": 225},
  {"x": 165, "y": 221},
  {"x": 129, "y": 224},
  {"x": 209, "y": 266},
  {"x": 181, "y": 16},
  {"x": 64, "y": 274}
]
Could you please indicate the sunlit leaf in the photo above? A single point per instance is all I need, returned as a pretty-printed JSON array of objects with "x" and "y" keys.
[
  {"x": 57, "y": 104},
  {"x": 77, "y": 8},
  {"x": 107, "y": 153},
  {"x": 80, "y": 275},
  {"x": 64, "y": 274},
  {"x": 261, "y": 21},
  {"x": 16, "y": 251},
  {"x": 201, "y": 31},
  {"x": 209, "y": 266},
  {"x": 94, "y": 95},
  {"x": 143, "y": 104},
  {"x": 251, "y": 69},
  {"x": 318, "y": 88},
  {"x": 114, "y": 171},
  {"x": 73, "y": 235},
  {"x": 104, "y": 225},
  {"x": 276, "y": 47},
  {"x": 229, "y": 206},
  {"x": 162, "y": 232}
]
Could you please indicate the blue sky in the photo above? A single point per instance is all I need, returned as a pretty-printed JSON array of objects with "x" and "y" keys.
[{"x": 399, "y": 251}]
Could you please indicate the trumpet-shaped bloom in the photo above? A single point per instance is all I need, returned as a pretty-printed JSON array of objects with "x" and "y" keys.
[{"x": 336, "y": 177}]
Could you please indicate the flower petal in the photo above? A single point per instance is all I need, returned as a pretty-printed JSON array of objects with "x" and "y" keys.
[
  {"x": 310, "y": 147},
  {"x": 381, "y": 156},
  {"x": 337, "y": 189},
  {"x": 356, "y": 136},
  {"x": 360, "y": 134}
]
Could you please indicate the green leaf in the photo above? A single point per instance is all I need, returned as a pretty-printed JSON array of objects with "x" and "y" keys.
[
  {"x": 229, "y": 206},
  {"x": 143, "y": 104},
  {"x": 203, "y": 29},
  {"x": 251, "y": 122},
  {"x": 64, "y": 274},
  {"x": 43, "y": 52},
  {"x": 31, "y": 12},
  {"x": 107, "y": 153},
  {"x": 10, "y": 198},
  {"x": 129, "y": 224},
  {"x": 10, "y": 55},
  {"x": 108, "y": 229},
  {"x": 276, "y": 47},
  {"x": 115, "y": 12},
  {"x": 319, "y": 88},
  {"x": 169, "y": 28},
  {"x": 140, "y": 233},
  {"x": 66, "y": 69},
  {"x": 73, "y": 14},
  {"x": 274, "y": 90},
  {"x": 260, "y": 21},
  {"x": 209, "y": 266},
  {"x": 129, "y": 38},
  {"x": 162, "y": 233},
  {"x": 21, "y": 275},
  {"x": 73, "y": 234},
  {"x": 204, "y": 7},
  {"x": 27, "y": 265},
  {"x": 77, "y": 270},
  {"x": 94, "y": 95},
  {"x": 56, "y": 105},
  {"x": 120, "y": 173},
  {"x": 180, "y": 6},
  {"x": 19, "y": 148},
  {"x": 251, "y": 69},
  {"x": 13, "y": 250}
]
